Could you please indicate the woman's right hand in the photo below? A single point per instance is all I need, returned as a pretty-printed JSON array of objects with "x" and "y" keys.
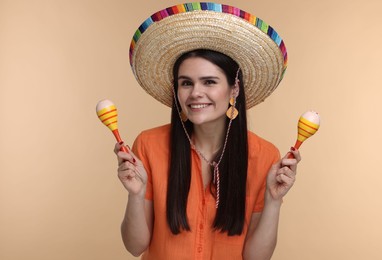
[{"x": 131, "y": 171}]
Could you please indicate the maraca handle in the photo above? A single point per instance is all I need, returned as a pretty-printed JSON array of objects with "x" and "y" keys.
[
  {"x": 118, "y": 137},
  {"x": 124, "y": 149},
  {"x": 296, "y": 146}
]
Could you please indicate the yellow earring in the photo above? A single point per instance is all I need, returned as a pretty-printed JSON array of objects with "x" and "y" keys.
[{"x": 232, "y": 111}]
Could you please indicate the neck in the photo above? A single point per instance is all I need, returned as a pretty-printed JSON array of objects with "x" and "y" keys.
[{"x": 209, "y": 138}]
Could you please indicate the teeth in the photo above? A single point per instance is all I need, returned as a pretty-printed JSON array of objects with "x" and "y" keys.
[{"x": 198, "y": 106}]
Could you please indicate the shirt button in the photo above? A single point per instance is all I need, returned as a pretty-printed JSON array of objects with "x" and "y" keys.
[
  {"x": 203, "y": 202},
  {"x": 199, "y": 249},
  {"x": 201, "y": 226}
]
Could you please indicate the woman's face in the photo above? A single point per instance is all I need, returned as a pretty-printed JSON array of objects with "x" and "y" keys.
[{"x": 203, "y": 91}]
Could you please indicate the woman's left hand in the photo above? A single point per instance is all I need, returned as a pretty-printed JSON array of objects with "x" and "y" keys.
[{"x": 282, "y": 176}]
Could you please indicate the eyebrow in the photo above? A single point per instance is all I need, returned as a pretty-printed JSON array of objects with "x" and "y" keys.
[{"x": 202, "y": 78}]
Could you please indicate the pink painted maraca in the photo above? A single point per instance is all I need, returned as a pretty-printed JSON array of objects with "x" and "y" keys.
[
  {"x": 107, "y": 113},
  {"x": 308, "y": 125}
]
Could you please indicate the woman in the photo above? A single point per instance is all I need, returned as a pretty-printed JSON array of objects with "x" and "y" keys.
[{"x": 203, "y": 187}]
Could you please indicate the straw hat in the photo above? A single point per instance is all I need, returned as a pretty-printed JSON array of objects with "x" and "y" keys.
[{"x": 171, "y": 32}]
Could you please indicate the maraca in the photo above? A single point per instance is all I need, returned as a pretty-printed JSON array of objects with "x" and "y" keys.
[
  {"x": 107, "y": 113},
  {"x": 308, "y": 125}
]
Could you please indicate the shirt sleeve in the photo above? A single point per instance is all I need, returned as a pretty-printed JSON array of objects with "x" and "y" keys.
[{"x": 139, "y": 149}]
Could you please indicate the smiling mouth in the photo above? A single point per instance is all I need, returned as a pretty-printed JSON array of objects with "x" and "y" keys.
[{"x": 198, "y": 106}]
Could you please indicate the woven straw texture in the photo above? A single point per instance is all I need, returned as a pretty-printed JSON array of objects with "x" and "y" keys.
[{"x": 260, "y": 58}]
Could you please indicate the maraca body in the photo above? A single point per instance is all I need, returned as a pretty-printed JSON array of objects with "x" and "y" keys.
[
  {"x": 107, "y": 113},
  {"x": 307, "y": 126}
]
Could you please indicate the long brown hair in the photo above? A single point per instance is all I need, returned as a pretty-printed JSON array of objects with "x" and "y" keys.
[{"x": 230, "y": 214}]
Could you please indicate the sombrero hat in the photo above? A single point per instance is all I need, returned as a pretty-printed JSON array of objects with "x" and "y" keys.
[{"x": 166, "y": 35}]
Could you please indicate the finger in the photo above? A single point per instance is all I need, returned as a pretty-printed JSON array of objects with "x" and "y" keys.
[
  {"x": 125, "y": 165},
  {"x": 286, "y": 178},
  {"x": 279, "y": 179},
  {"x": 128, "y": 162},
  {"x": 283, "y": 170},
  {"x": 133, "y": 158},
  {"x": 122, "y": 157},
  {"x": 126, "y": 175},
  {"x": 290, "y": 163},
  {"x": 275, "y": 171},
  {"x": 117, "y": 147},
  {"x": 289, "y": 173},
  {"x": 286, "y": 170},
  {"x": 129, "y": 171},
  {"x": 295, "y": 153},
  {"x": 136, "y": 160},
  {"x": 275, "y": 167},
  {"x": 138, "y": 175},
  {"x": 121, "y": 146}
]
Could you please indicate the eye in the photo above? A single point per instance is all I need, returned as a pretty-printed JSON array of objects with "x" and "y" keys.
[
  {"x": 210, "y": 82},
  {"x": 185, "y": 83}
]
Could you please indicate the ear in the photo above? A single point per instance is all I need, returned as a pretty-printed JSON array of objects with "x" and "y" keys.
[{"x": 235, "y": 90}]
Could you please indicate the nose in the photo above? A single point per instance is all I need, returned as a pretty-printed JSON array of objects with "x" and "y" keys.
[{"x": 197, "y": 90}]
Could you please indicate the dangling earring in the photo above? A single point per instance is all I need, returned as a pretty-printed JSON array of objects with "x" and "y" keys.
[
  {"x": 232, "y": 111},
  {"x": 183, "y": 116}
]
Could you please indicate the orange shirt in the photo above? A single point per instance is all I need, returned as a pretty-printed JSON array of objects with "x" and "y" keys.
[{"x": 202, "y": 242}]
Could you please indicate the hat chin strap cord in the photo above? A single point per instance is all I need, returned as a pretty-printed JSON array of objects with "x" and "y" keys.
[{"x": 215, "y": 165}]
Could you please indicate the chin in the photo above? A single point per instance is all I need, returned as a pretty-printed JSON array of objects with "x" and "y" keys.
[{"x": 206, "y": 121}]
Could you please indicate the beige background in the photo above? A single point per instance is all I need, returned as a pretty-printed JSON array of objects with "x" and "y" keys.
[{"x": 59, "y": 195}]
